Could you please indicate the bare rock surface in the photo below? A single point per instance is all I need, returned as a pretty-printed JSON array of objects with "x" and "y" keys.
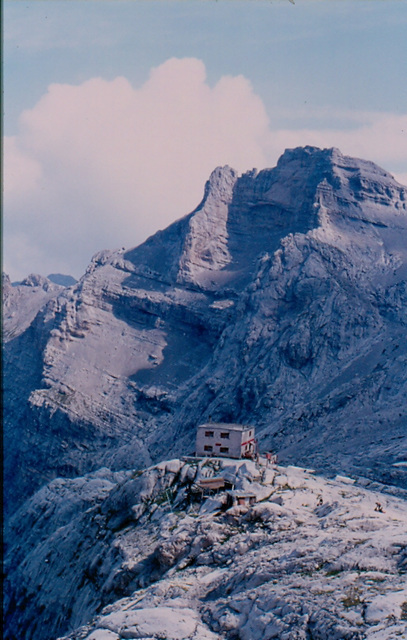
[
  {"x": 22, "y": 302},
  {"x": 138, "y": 554}
]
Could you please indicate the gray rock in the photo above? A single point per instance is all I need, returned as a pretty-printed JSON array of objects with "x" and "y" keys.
[{"x": 284, "y": 572}]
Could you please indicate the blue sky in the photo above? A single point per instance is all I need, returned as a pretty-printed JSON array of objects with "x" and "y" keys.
[{"x": 326, "y": 72}]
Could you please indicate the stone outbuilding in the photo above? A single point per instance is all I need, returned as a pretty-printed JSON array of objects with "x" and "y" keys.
[
  {"x": 240, "y": 499},
  {"x": 226, "y": 440}
]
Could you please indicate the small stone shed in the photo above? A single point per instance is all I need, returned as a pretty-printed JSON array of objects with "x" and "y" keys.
[
  {"x": 227, "y": 440},
  {"x": 212, "y": 486},
  {"x": 240, "y": 498}
]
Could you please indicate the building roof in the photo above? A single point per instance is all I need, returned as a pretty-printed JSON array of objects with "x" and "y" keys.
[
  {"x": 211, "y": 483},
  {"x": 226, "y": 426},
  {"x": 237, "y": 493}
]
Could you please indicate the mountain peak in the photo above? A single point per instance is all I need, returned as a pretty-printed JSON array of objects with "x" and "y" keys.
[
  {"x": 304, "y": 153},
  {"x": 35, "y": 280},
  {"x": 5, "y": 281},
  {"x": 317, "y": 159},
  {"x": 282, "y": 294},
  {"x": 220, "y": 185},
  {"x": 241, "y": 217},
  {"x": 62, "y": 279}
]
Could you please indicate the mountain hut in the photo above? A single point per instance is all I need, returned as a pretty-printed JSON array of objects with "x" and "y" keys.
[{"x": 226, "y": 440}]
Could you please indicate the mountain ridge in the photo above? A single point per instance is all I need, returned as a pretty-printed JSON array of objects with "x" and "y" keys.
[{"x": 280, "y": 300}]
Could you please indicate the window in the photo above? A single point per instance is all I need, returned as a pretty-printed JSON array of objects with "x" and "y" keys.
[
  {"x": 225, "y": 435},
  {"x": 224, "y": 449},
  {"x": 250, "y": 433},
  {"x": 209, "y": 434},
  {"x": 208, "y": 447}
]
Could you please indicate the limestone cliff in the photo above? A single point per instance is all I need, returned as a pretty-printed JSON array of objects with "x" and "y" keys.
[{"x": 280, "y": 301}]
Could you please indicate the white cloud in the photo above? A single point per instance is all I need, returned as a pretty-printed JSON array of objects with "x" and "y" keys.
[
  {"x": 19, "y": 164},
  {"x": 104, "y": 164}
]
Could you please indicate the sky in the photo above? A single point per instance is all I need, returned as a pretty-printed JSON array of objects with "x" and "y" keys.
[{"x": 116, "y": 112}]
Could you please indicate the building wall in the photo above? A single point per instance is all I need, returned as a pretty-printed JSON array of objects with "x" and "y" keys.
[
  {"x": 248, "y": 442},
  {"x": 224, "y": 442}
]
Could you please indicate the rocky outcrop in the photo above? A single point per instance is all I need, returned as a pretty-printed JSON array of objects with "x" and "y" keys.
[
  {"x": 280, "y": 301},
  {"x": 22, "y": 302},
  {"x": 140, "y": 554}
]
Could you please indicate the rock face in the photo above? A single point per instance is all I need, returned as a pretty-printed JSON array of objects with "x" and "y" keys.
[
  {"x": 141, "y": 555},
  {"x": 280, "y": 301},
  {"x": 22, "y": 302}
]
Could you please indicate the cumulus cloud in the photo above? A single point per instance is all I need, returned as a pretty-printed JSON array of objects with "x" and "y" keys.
[{"x": 104, "y": 164}]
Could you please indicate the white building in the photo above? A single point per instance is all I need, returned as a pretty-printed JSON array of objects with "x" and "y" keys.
[{"x": 227, "y": 440}]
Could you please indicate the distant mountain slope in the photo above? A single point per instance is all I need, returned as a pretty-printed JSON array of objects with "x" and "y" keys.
[
  {"x": 280, "y": 301},
  {"x": 23, "y": 301},
  {"x": 62, "y": 279}
]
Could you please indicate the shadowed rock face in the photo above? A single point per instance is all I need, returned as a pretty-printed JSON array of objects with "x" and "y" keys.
[{"x": 280, "y": 301}]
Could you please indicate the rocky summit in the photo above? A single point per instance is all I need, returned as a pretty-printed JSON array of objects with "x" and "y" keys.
[{"x": 150, "y": 555}]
